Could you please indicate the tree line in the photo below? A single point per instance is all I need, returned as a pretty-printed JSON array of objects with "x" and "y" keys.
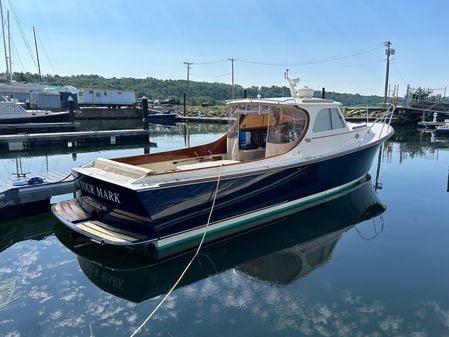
[{"x": 197, "y": 92}]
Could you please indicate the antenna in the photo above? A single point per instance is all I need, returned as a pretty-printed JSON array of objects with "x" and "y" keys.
[{"x": 292, "y": 84}]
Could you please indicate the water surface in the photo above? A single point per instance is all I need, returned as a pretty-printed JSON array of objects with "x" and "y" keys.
[{"x": 369, "y": 263}]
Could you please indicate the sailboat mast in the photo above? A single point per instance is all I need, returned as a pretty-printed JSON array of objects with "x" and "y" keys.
[
  {"x": 9, "y": 48},
  {"x": 4, "y": 40},
  {"x": 37, "y": 54}
]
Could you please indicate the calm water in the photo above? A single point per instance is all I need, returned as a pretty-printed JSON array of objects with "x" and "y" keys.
[{"x": 365, "y": 264}]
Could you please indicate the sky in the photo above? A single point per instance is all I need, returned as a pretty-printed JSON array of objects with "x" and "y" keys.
[{"x": 333, "y": 44}]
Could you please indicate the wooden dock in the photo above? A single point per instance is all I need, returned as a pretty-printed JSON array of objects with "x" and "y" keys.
[
  {"x": 18, "y": 142},
  {"x": 23, "y": 200}
]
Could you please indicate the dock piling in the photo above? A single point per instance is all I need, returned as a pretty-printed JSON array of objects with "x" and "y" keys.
[
  {"x": 145, "y": 111},
  {"x": 71, "y": 109},
  {"x": 185, "y": 103}
]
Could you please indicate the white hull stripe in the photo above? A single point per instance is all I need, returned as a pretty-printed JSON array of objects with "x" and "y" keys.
[{"x": 217, "y": 227}]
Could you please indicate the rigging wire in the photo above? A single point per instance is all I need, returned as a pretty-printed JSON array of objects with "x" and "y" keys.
[
  {"x": 46, "y": 55},
  {"x": 190, "y": 262},
  {"x": 16, "y": 18},
  {"x": 17, "y": 55}
]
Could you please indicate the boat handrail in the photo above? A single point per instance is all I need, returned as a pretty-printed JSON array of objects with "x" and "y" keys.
[{"x": 385, "y": 118}]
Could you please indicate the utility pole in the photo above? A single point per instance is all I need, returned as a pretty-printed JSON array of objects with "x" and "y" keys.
[
  {"x": 37, "y": 54},
  {"x": 4, "y": 40},
  {"x": 389, "y": 52},
  {"x": 188, "y": 65},
  {"x": 9, "y": 49},
  {"x": 232, "y": 71}
]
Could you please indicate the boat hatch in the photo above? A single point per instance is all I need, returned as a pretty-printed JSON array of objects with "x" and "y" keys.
[{"x": 75, "y": 217}]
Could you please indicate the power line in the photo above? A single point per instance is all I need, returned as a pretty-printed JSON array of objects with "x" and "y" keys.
[
  {"x": 209, "y": 62},
  {"x": 399, "y": 73},
  {"x": 217, "y": 75},
  {"x": 314, "y": 61}
]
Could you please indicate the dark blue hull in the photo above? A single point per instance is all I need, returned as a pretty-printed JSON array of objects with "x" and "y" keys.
[
  {"x": 55, "y": 117},
  {"x": 144, "y": 276},
  {"x": 165, "y": 119},
  {"x": 178, "y": 208}
]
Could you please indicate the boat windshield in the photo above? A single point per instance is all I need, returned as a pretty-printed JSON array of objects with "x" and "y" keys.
[
  {"x": 8, "y": 107},
  {"x": 243, "y": 109},
  {"x": 267, "y": 130}
]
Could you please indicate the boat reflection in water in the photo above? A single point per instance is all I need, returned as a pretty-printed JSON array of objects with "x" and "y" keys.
[
  {"x": 278, "y": 252},
  {"x": 37, "y": 227}
]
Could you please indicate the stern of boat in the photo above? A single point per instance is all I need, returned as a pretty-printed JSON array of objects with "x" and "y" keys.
[{"x": 105, "y": 212}]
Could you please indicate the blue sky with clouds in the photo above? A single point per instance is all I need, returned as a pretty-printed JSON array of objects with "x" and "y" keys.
[{"x": 335, "y": 44}]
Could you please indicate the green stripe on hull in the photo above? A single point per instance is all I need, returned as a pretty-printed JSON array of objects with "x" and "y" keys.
[{"x": 261, "y": 216}]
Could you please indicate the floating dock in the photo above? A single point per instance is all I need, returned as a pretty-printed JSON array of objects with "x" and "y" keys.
[
  {"x": 430, "y": 124},
  {"x": 202, "y": 119},
  {"x": 13, "y": 197},
  {"x": 19, "y": 142},
  {"x": 24, "y": 127}
]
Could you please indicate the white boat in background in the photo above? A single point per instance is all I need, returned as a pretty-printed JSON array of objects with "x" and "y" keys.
[
  {"x": 443, "y": 128},
  {"x": 277, "y": 155}
]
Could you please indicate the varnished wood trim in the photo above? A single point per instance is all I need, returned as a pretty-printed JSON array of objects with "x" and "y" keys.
[{"x": 274, "y": 169}]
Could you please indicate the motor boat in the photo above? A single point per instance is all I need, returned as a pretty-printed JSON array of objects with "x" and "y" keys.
[
  {"x": 12, "y": 112},
  {"x": 282, "y": 251},
  {"x": 164, "y": 117},
  {"x": 278, "y": 154}
]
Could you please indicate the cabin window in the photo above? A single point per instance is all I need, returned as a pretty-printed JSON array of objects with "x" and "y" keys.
[
  {"x": 80, "y": 94},
  {"x": 98, "y": 94},
  {"x": 328, "y": 119},
  {"x": 286, "y": 125},
  {"x": 285, "y": 128}
]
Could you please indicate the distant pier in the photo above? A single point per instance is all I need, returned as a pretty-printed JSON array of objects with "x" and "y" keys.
[
  {"x": 18, "y": 142},
  {"x": 203, "y": 119}
]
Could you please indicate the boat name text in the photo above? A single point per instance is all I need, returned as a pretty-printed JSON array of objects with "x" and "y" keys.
[{"x": 100, "y": 192}]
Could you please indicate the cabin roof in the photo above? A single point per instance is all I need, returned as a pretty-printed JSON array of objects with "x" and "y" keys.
[{"x": 285, "y": 101}]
